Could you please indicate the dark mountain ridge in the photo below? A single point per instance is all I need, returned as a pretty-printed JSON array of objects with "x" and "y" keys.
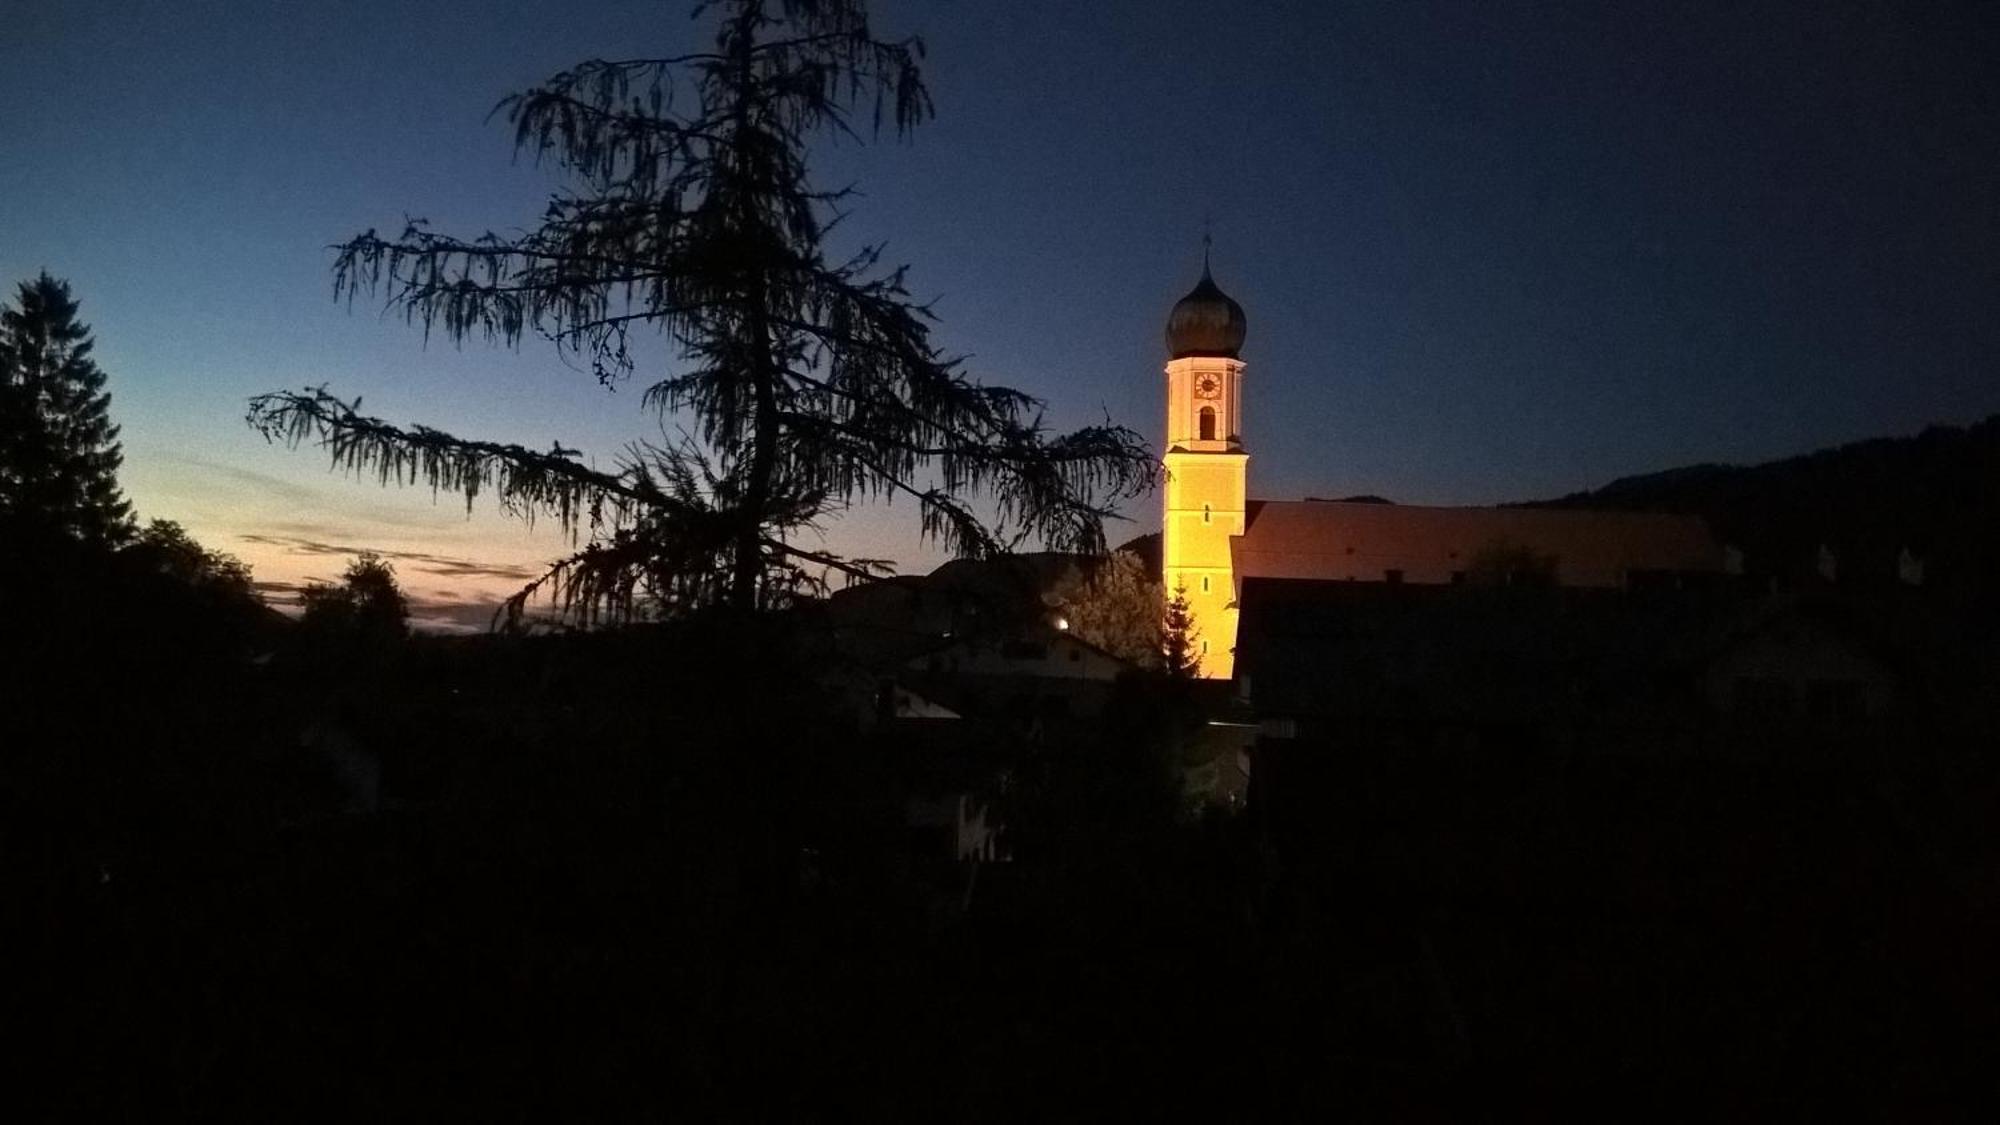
[{"x": 1935, "y": 495}]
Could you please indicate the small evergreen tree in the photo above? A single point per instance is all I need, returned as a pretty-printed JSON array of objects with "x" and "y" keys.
[
  {"x": 1180, "y": 638},
  {"x": 59, "y": 452}
]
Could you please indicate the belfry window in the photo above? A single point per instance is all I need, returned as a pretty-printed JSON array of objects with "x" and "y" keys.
[{"x": 1208, "y": 423}]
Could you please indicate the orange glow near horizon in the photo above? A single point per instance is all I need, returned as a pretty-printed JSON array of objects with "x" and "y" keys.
[{"x": 294, "y": 523}]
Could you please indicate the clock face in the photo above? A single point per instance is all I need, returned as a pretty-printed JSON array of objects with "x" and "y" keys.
[{"x": 1207, "y": 386}]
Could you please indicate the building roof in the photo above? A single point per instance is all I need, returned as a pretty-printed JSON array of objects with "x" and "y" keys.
[
  {"x": 1206, "y": 322},
  {"x": 886, "y": 622},
  {"x": 1339, "y": 541}
]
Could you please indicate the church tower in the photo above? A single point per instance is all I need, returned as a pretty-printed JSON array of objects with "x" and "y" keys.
[{"x": 1207, "y": 469}]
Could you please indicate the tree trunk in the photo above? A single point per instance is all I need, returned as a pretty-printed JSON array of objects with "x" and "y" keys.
[
  {"x": 757, "y": 492},
  {"x": 756, "y": 497}
]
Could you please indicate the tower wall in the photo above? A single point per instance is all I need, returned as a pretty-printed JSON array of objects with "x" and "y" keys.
[{"x": 1206, "y": 493}]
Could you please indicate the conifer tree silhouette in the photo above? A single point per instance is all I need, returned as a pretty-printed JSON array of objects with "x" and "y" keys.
[
  {"x": 59, "y": 451},
  {"x": 804, "y": 381},
  {"x": 1180, "y": 637}
]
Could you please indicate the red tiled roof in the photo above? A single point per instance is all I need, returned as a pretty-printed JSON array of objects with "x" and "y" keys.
[{"x": 1335, "y": 541}]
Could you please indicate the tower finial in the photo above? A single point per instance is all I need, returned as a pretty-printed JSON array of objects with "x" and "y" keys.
[{"x": 1207, "y": 239}]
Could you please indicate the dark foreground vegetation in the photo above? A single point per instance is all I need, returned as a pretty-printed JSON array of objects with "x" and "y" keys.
[
  {"x": 265, "y": 870},
  {"x": 667, "y": 871},
  {"x": 650, "y": 872}
]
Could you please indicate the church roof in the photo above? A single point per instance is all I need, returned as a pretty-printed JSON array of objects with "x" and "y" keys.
[
  {"x": 1342, "y": 541},
  {"x": 1206, "y": 322}
]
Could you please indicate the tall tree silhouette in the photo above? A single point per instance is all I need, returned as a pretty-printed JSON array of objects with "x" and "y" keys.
[
  {"x": 59, "y": 452},
  {"x": 805, "y": 381}
]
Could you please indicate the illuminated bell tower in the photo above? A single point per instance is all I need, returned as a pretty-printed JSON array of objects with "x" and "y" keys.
[{"x": 1207, "y": 469}]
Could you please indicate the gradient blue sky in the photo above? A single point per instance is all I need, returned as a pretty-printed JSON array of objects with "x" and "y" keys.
[{"x": 1489, "y": 250}]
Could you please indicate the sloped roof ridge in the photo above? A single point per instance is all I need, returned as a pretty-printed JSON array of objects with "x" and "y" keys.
[{"x": 1529, "y": 508}]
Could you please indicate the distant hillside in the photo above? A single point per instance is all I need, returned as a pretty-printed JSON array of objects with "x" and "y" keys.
[
  {"x": 1147, "y": 547},
  {"x": 1936, "y": 494}
]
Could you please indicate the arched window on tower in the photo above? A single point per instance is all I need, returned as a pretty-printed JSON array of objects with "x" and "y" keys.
[{"x": 1208, "y": 423}]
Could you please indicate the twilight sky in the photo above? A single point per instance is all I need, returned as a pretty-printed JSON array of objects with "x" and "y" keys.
[{"x": 1489, "y": 251}]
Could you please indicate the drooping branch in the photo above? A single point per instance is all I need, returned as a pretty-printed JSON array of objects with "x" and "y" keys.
[{"x": 526, "y": 483}]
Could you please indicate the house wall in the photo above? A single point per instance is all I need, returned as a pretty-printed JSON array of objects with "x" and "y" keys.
[
  {"x": 1057, "y": 658},
  {"x": 1799, "y": 668}
]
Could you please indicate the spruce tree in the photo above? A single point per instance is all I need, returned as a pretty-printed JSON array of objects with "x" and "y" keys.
[
  {"x": 1179, "y": 638},
  {"x": 802, "y": 380},
  {"x": 59, "y": 452}
]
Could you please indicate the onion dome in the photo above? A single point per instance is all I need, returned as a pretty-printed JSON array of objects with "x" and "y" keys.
[{"x": 1206, "y": 322}]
